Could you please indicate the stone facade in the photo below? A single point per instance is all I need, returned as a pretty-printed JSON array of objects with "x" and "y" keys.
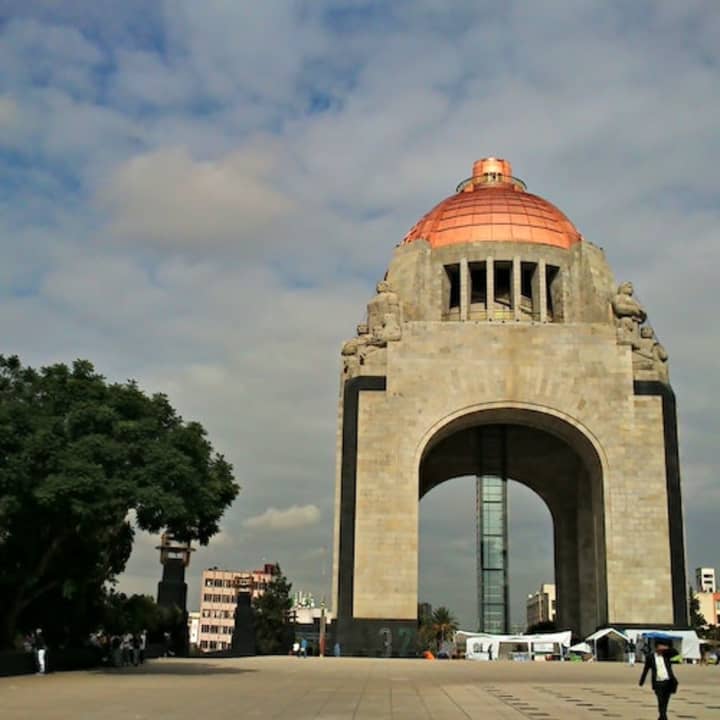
[{"x": 471, "y": 346}]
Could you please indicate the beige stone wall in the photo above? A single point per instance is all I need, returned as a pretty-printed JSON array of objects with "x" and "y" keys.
[{"x": 575, "y": 371}]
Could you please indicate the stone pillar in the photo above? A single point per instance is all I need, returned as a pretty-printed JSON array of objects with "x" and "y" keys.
[
  {"x": 464, "y": 289},
  {"x": 541, "y": 274},
  {"x": 516, "y": 286},
  {"x": 490, "y": 288}
]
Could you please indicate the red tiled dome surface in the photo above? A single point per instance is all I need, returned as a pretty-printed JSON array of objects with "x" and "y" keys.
[{"x": 493, "y": 206}]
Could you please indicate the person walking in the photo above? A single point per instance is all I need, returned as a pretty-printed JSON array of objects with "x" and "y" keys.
[
  {"x": 664, "y": 683},
  {"x": 40, "y": 649},
  {"x": 303, "y": 647},
  {"x": 143, "y": 645},
  {"x": 631, "y": 652}
]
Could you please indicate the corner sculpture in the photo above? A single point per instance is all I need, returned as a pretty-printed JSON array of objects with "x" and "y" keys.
[
  {"x": 499, "y": 344},
  {"x": 384, "y": 318},
  {"x": 649, "y": 357}
]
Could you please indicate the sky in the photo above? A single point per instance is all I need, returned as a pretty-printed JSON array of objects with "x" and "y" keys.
[{"x": 202, "y": 195}]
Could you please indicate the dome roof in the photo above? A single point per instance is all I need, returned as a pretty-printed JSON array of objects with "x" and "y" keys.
[{"x": 492, "y": 205}]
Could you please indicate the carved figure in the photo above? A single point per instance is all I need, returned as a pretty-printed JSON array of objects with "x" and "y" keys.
[
  {"x": 629, "y": 315},
  {"x": 391, "y": 329},
  {"x": 385, "y": 302},
  {"x": 650, "y": 354},
  {"x": 383, "y": 326},
  {"x": 352, "y": 349}
]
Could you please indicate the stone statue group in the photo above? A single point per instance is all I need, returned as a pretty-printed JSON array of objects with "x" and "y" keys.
[
  {"x": 648, "y": 353},
  {"x": 384, "y": 325}
]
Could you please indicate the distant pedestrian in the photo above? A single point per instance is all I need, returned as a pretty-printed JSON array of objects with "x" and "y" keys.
[
  {"x": 127, "y": 648},
  {"x": 336, "y": 649},
  {"x": 303, "y": 648},
  {"x": 631, "y": 652},
  {"x": 40, "y": 649},
  {"x": 116, "y": 651},
  {"x": 167, "y": 640},
  {"x": 136, "y": 649},
  {"x": 664, "y": 682},
  {"x": 296, "y": 649},
  {"x": 143, "y": 645}
]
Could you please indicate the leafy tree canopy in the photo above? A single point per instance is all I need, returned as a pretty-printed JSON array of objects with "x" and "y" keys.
[
  {"x": 273, "y": 633},
  {"x": 79, "y": 458},
  {"x": 436, "y": 628},
  {"x": 542, "y": 626}
]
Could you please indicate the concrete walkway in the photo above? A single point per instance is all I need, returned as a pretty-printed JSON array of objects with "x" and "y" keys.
[{"x": 361, "y": 689}]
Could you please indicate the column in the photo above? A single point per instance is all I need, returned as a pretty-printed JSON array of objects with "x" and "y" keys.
[
  {"x": 516, "y": 287},
  {"x": 490, "y": 288},
  {"x": 464, "y": 289}
]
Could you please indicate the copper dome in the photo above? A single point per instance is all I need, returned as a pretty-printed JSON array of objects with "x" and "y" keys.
[{"x": 492, "y": 205}]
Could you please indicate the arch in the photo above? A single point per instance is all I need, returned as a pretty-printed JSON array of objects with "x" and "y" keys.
[{"x": 555, "y": 458}]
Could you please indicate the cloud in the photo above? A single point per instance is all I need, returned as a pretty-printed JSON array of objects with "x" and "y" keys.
[
  {"x": 8, "y": 113},
  {"x": 186, "y": 207},
  {"x": 292, "y": 518},
  {"x": 167, "y": 198}
]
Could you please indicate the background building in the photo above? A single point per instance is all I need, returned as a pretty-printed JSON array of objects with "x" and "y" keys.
[
  {"x": 541, "y": 605},
  {"x": 218, "y": 598},
  {"x": 709, "y": 606},
  {"x": 705, "y": 579}
]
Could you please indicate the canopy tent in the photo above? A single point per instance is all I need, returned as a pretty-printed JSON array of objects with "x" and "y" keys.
[
  {"x": 685, "y": 641},
  {"x": 607, "y": 631},
  {"x": 581, "y": 647},
  {"x": 608, "y": 644},
  {"x": 486, "y": 646}
]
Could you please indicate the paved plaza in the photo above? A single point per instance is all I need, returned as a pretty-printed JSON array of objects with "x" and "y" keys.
[{"x": 354, "y": 688}]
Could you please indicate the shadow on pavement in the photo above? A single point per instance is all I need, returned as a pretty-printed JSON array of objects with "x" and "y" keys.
[{"x": 176, "y": 667}]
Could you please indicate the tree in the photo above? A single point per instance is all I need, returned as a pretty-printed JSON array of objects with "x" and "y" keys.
[
  {"x": 697, "y": 620},
  {"x": 443, "y": 624},
  {"x": 542, "y": 626},
  {"x": 273, "y": 632},
  {"x": 135, "y": 613},
  {"x": 81, "y": 462}
]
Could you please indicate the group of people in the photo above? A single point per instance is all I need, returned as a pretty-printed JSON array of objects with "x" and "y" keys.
[
  {"x": 300, "y": 649},
  {"x": 121, "y": 650}
]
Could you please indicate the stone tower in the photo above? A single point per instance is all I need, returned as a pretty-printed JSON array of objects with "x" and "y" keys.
[{"x": 499, "y": 344}]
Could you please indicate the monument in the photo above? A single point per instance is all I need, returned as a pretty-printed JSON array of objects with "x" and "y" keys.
[{"x": 499, "y": 344}]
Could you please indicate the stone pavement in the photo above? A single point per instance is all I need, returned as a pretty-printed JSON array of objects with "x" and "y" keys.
[{"x": 361, "y": 689}]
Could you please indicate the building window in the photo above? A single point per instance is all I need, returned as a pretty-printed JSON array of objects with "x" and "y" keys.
[
  {"x": 553, "y": 290},
  {"x": 478, "y": 284},
  {"x": 529, "y": 305},
  {"x": 452, "y": 294},
  {"x": 503, "y": 290}
]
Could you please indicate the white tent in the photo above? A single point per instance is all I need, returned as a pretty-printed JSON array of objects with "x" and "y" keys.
[
  {"x": 606, "y": 631},
  {"x": 615, "y": 649},
  {"x": 689, "y": 641},
  {"x": 486, "y": 646},
  {"x": 581, "y": 647}
]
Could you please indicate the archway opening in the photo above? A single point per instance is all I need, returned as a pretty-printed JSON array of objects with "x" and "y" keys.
[
  {"x": 448, "y": 555},
  {"x": 556, "y": 461}
]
